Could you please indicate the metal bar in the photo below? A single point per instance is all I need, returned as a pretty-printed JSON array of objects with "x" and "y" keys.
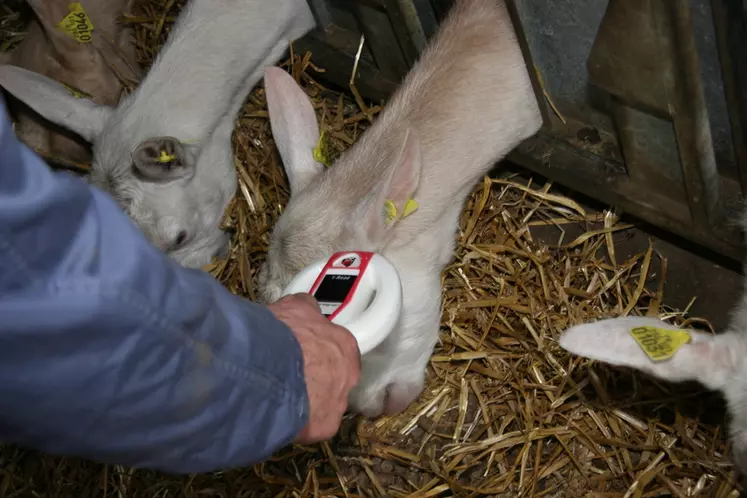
[
  {"x": 407, "y": 28},
  {"x": 591, "y": 176},
  {"x": 429, "y": 22},
  {"x": 382, "y": 42},
  {"x": 690, "y": 116},
  {"x": 334, "y": 51},
  {"x": 529, "y": 61},
  {"x": 321, "y": 13},
  {"x": 631, "y": 63},
  {"x": 730, "y": 19}
]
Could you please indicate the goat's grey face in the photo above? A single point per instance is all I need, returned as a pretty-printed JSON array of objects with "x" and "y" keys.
[{"x": 157, "y": 190}]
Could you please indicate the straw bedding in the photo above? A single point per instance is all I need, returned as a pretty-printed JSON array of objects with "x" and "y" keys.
[{"x": 506, "y": 412}]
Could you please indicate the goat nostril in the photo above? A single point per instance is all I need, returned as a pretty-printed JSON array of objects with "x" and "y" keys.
[
  {"x": 181, "y": 238},
  {"x": 222, "y": 251}
]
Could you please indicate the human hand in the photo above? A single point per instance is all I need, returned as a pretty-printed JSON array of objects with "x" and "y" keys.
[{"x": 331, "y": 364}]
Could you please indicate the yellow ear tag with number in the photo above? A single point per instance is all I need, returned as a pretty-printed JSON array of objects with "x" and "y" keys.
[
  {"x": 321, "y": 149},
  {"x": 659, "y": 344},
  {"x": 165, "y": 157},
  {"x": 77, "y": 25}
]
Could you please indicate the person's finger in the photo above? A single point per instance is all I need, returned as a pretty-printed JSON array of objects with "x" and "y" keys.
[
  {"x": 333, "y": 423},
  {"x": 352, "y": 353},
  {"x": 308, "y": 298},
  {"x": 347, "y": 341},
  {"x": 354, "y": 375},
  {"x": 303, "y": 435},
  {"x": 351, "y": 358},
  {"x": 351, "y": 372}
]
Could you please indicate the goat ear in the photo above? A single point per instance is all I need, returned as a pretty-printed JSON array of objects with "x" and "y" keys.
[
  {"x": 705, "y": 358},
  {"x": 55, "y": 102},
  {"x": 49, "y": 13},
  {"x": 163, "y": 159},
  {"x": 294, "y": 127},
  {"x": 394, "y": 195}
]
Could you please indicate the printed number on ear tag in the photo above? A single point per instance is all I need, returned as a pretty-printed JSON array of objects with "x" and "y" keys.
[
  {"x": 77, "y": 24},
  {"x": 659, "y": 344}
]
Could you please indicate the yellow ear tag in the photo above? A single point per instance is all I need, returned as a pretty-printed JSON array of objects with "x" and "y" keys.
[
  {"x": 659, "y": 344},
  {"x": 165, "y": 157},
  {"x": 320, "y": 151},
  {"x": 390, "y": 212},
  {"x": 410, "y": 207},
  {"x": 77, "y": 25},
  {"x": 76, "y": 93}
]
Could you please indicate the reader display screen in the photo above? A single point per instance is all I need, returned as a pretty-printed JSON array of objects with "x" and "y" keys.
[{"x": 335, "y": 288}]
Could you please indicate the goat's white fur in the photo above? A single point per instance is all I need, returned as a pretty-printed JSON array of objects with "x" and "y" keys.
[
  {"x": 215, "y": 54},
  {"x": 466, "y": 103}
]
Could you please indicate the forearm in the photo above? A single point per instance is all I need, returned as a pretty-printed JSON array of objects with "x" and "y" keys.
[{"x": 111, "y": 351}]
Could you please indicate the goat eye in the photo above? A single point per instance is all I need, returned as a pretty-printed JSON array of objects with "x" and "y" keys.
[{"x": 181, "y": 238}]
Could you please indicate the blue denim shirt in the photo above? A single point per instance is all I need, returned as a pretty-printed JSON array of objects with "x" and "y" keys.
[{"x": 111, "y": 351}]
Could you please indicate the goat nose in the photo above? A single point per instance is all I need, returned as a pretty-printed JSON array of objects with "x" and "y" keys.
[{"x": 221, "y": 252}]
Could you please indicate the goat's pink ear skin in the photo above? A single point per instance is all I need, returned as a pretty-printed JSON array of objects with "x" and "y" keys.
[
  {"x": 294, "y": 127},
  {"x": 401, "y": 184},
  {"x": 55, "y": 102},
  {"x": 706, "y": 358}
]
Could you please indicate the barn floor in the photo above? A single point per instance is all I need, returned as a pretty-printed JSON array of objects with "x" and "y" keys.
[
  {"x": 506, "y": 412},
  {"x": 705, "y": 283},
  {"x": 716, "y": 288}
]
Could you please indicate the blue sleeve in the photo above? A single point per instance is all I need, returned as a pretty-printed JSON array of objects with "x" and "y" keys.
[{"x": 111, "y": 351}]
